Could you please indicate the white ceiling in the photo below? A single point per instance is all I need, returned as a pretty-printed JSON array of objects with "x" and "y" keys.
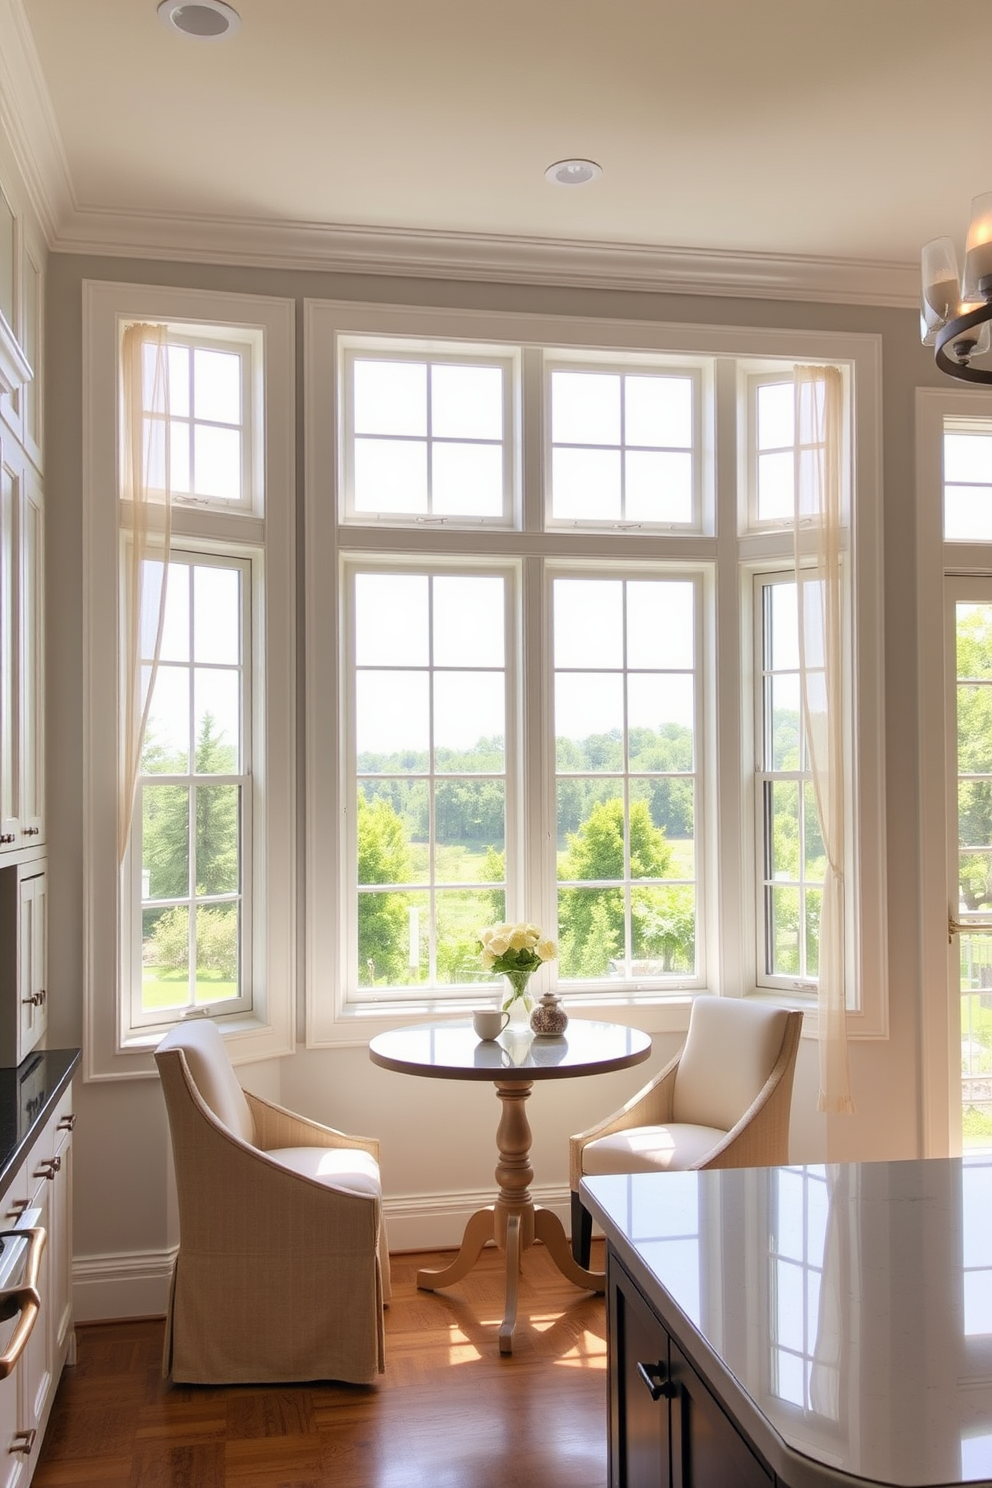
[{"x": 780, "y": 141}]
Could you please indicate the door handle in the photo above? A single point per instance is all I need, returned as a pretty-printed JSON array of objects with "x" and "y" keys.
[{"x": 655, "y": 1377}]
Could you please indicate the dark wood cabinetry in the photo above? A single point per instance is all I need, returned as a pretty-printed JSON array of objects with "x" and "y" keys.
[{"x": 667, "y": 1429}]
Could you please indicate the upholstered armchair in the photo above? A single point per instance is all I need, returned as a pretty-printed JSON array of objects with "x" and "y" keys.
[
  {"x": 282, "y": 1269},
  {"x": 724, "y": 1101}
]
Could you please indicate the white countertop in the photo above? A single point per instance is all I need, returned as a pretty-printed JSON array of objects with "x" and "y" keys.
[{"x": 843, "y": 1313}]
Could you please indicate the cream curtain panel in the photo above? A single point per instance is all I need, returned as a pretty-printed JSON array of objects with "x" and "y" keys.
[
  {"x": 146, "y": 489},
  {"x": 819, "y": 532}
]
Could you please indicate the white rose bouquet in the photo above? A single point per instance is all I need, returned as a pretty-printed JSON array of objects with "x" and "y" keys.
[{"x": 515, "y": 951}]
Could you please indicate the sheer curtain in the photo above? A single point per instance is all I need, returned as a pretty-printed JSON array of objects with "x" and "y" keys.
[
  {"x": 147, "y": 492},
  {"x": 818, "y": 536}
]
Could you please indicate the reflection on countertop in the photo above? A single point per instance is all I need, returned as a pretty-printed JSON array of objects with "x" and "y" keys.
[{"x": 851, "y": 1303}]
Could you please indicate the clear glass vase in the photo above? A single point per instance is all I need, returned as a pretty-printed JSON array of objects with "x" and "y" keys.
[{"x": 518, "y": 1002}]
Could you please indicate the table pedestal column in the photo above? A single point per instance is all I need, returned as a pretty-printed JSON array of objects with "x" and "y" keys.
[{"x": 513, "y": 1222}]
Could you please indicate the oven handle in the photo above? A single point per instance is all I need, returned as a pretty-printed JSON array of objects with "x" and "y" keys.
[{"x": 25, "y": 1298}]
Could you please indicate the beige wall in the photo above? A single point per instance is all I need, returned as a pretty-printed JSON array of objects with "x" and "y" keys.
[{"x": 122, "y": 1183}]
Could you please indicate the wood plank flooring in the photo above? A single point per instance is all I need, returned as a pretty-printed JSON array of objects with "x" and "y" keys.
[{"x": 450, "y": 1412}]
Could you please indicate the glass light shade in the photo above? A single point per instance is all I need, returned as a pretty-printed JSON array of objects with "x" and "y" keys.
[
  {"x": 978, "y": 250},
  {"x": 982, "y": 334},
  {"x": 941, "y": 286}
]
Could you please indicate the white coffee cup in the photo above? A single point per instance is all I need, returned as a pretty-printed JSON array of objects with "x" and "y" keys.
[{"x": 489, "y": 1022}]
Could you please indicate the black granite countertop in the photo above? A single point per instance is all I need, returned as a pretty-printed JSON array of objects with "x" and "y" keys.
[{"x": 28, "y": 1095}]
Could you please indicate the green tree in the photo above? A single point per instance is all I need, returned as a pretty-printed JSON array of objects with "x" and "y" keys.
[
  {"x": 166, "y": 823},
  {"x": 383, "y": 919},
  {"x": 591, "y": 921}
]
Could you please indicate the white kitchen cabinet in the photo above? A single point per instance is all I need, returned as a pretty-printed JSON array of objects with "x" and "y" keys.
[
  {"x": 40, "y": 1195},
  {"x": 23, "y": 957},
  {"x": 22, "y": 653}
]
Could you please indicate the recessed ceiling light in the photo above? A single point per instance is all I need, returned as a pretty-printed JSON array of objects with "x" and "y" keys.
[
  {"x": 204, "y": 20},
  {"x": 572, "y": 172}
]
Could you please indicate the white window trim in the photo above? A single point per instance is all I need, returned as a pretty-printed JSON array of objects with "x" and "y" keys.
[
  {"x": 269, "y": 1030},
  {"x": 329, "y": 1021}
]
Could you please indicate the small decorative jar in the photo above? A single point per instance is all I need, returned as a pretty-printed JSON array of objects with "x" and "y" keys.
[{"x": 549, "y": 1018}]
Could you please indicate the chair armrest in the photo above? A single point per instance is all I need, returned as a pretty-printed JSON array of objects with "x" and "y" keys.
[
  {"x": 276, "y": 1127},
  {"x": 651, "y": 1106},
  {"x": 760, "y": 1139}
]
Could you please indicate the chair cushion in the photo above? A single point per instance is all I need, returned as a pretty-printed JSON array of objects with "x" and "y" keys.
[
  {"x": 213, "y": 1073},
  {"x": 345, "y": 1168},
  {"x": 650, "y": 1149},
  {"x": 730, "y": 1050}
]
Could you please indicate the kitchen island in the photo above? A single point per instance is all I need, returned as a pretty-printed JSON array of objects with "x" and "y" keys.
[{"x": 800, "y": 1326}]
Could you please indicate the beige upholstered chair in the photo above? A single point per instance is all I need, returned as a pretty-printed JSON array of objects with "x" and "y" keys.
[
  {"x": 282, "y": 1270},
  {"x": 723, "y": 1102}
]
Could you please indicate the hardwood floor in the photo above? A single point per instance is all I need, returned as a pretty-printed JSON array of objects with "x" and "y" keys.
[{"x": 449, "y": 1412}]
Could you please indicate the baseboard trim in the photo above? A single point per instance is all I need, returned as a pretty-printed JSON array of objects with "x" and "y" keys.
[{"x": 136, "y": 1283}]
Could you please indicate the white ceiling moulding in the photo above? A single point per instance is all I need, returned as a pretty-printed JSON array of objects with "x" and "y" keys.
[
  {"x": 28, "y": 122},
  {"x": 425, "y": 254}
]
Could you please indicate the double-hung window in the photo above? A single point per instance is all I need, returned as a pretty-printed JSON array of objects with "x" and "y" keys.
[
  {"x": 555, "y": 682},
  {"x": 190, "y": 587}
]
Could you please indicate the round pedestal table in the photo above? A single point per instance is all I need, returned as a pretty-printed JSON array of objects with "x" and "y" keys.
[{"x": 452, "y": 1051}]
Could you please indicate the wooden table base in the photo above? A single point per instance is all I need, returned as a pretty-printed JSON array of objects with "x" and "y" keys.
[{"x": 513, "y": 1222}]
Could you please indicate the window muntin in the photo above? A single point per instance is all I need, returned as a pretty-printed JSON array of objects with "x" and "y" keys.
[
  {"x": 790, "y": 848},
  {"x": 430, "y": 773},
  {"x": 623, "y": 446},
  {"x": 190, "y": 854},
  {"x": 210, "y": 422},
  {"x": 626, "y": 780},
  {"x": 427, "y": 437}
]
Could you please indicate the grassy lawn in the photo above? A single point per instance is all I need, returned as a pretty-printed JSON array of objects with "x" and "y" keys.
[{"x": 169, "y": 989}]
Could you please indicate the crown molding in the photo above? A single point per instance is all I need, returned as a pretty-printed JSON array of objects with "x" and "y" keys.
[
  {"x": 28, "y": 122},
  {"x": 425, "y": 254}
]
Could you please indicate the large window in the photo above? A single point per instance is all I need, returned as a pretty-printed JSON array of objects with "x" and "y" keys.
[
  {"x": 203, "y": 917},
  {"x": 530, "y": 695}
]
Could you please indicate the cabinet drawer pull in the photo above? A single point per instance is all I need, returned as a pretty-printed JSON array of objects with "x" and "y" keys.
[
  {"x": 31, "y": 831},
  {"x": 654, "y": 1376},
  {"x": 48, "y": 1168},
  {"x": 68, "y": 1123},
  {"x": 18, "y": 1207},
  {"x": 23, "y": 1441},
  {"x": 8, "y": 837},
  {"x": 25, "y": 1301}
]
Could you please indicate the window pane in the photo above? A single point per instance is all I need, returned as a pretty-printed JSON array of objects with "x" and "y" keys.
[
  {"x": 469, "y": 827},
  {"x": 466, "y": 402},
  {"x": 585, "y": 408},
  {"x": 468, "y": 621},
  {"x": 967, "y": 514},
  {"x": 218, "y": 721},
  {"x": 968, "y": 459},
  {"x": 776, "y": 415},
  {"x": 658, "y": 486},
  {"x": 786, "y": 933},
  {"x": 217, "y": 384},
  {"x": 394, "y": 831},
  {"x": 390, "y": 475},
  {"x": 589, "y": 713},
  {"x": 392, "y": 620},
  {"x": 217, "y": 462},
  {"x": 393, "y": 939},
  {"x": 660, "y": 701},
  {"x": 663, "y": 930},
  {"x": 390, "y": 397},
  {"x": 586, "y": 484},
  {"x": 459, "y": 916},
  {"x": 786, "y": 724},
  {"x": 467, "y": 480},
  {"x": 588, "y": 623},
  {"x": 814, "y": 902},
  {"x": 218, "y": 940},
  {"x": 165, "y": 959},
  {"x": 393, "y": 716},
  {"x": 165, "y": 748},
  {"x": 590, "y": 932},
  {"x": 180, "y": 361},
  {"x": 776, "y": 486},
  {"x": 468, "y": 707},
  {"x": 165, "y": 841},
  {"x": 175, "y": 633},
  {"x": 658, "y": 411},
  {"x": 217, "y": 602},
  {"x": 180, "y": 456},
  {"x": 784, "y": 627},
  {"x": 218, "y": 865},
  {"x": 660, "y": 624},
  {"x": 670, "y": 810}
]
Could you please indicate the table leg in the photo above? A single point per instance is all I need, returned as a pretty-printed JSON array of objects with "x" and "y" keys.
[
  {"x": 478, "y": 1232},
  {"x": 512, "y": 1221}
]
